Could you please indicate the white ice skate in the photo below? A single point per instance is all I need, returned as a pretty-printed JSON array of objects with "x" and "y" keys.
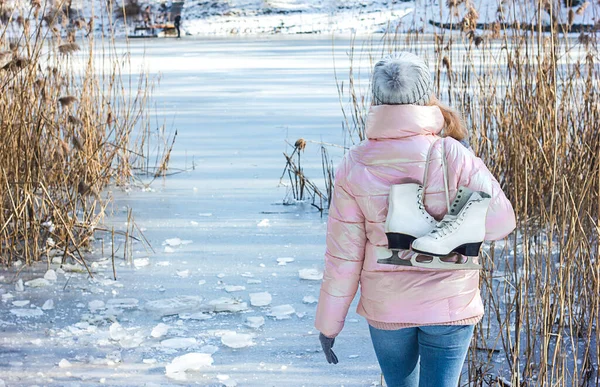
[
  {"x": 407, "y": 220},
  {"x": 461, "y": 231}
]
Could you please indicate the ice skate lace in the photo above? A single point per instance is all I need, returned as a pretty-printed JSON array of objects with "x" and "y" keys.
[
  {"x": 449, "y": 224},
  {"x": 421, "y": 205}
]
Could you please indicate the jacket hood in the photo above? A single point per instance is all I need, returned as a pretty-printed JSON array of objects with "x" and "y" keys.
[{"x": 399, "y": 121}]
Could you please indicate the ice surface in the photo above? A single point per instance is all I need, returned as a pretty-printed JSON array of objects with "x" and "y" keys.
[
  {"x": 188, "y": 362},
  {"x": 27, "y": 313},
  {"x": 175, "y": 305},
  {"x": 212, "y": 349},
  {"x": 195, "y": 316},
  {"x": 233, "y": 102},
  {"x": 237, "y": 340},
  {"x": 179, "y": 343},
  {"x": 310, "y": 274},
  {"x": 260, "y": 299},
  {"x": 282, "y": 312}
]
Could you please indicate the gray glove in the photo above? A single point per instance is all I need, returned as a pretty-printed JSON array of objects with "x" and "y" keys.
[{"x": 327, "y": 344}]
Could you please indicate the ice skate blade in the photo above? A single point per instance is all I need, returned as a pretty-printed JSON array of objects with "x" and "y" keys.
[
  {"x": 468, "y": 249},
  {"x": 437, "y": 264},
  {"x": 395, "y": 260}
]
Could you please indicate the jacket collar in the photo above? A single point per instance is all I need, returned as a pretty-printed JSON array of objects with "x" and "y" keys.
[{"x": 399, "y": 121}]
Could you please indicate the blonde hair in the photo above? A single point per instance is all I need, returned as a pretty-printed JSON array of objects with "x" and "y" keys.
[{"x": 454, "y": 124}]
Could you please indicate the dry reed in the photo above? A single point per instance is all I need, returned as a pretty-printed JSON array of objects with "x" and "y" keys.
[{"x": 66, "y": 133}]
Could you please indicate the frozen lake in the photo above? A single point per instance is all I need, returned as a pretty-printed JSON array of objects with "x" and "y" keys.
[{"x": 234, "y": 102}]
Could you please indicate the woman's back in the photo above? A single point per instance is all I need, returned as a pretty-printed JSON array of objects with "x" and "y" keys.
[{"x": 399, "y": 139}]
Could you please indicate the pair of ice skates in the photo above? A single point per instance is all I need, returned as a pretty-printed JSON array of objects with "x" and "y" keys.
[{"x": 450, "y": 244}]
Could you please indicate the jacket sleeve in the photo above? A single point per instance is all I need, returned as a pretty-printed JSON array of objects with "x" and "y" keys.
[
  {"x": 346, "y": 239},
  {"x": 472, "y": 173}
]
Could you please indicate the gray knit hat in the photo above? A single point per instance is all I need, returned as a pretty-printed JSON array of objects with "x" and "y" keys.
[{"x": 402, "y": 78}]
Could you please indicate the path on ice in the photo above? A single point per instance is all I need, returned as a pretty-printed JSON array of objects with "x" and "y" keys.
[{"x": 236, "y": 307}]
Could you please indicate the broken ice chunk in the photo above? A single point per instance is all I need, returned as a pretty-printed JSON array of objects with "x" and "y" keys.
[
  {"x": 51, "y": 275},
  {"x": 95, "y": 305},
  {"x": 48, "y": 305},
  {"x": 226, "y": 381},
  {"x": 237, "y": 340},
  {"x": 282, "y": 312},
  {"x": 175, "y": 242},
  {"x": 64, "y": 363},
  {"x": 226, "y": 304},
  {"x": 122, "y": 303},
  {"x": 310, "y": 274},
  {"x": 309, "y": 300},
  {"x": 260, "y": 299},
  {"x": 234, "y": 288},
  {"x": 19, "y": 286},
  {"x": 255, "y": 322},
  {"x": 160, "y": 330},
  {"x": 141, "y": 262},
  {"x": 169, "y": 249},
  {"x": 253, "y": 281},
  {"x": 188, "y": 362},
  {"x": 264, "y": 223},
  {"x": 284, "y": 261},
  {"x": 117, "y": 332},
  {"x": 175, "y": 305},
  {"x": 20, "y": 303},
  {"x": 183, "y": 273}
]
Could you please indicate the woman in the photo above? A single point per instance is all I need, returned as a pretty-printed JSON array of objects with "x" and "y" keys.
[{"x": 421, "y": 320}]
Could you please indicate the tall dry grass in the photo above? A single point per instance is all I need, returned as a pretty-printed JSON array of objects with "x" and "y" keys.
[
  {"x": 532, "y": 104},
  {"x": 71, "y": 125}
]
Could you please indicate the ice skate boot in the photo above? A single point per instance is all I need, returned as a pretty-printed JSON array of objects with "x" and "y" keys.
[
  {"x": 461, "y": 231},
  {"x": 407, "y": 220}
]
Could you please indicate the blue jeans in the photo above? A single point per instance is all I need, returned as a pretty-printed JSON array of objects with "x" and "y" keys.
[{"x": 426, "y": 356}]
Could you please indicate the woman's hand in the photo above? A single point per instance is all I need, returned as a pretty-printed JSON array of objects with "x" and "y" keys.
[{"x": 327, "y": 344}]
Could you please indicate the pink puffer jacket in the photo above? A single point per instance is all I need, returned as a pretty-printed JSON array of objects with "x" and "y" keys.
[{"x": 399, "y": 138}]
